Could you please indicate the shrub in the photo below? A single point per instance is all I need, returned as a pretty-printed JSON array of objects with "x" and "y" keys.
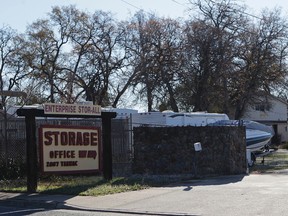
[{"x": 12, "y": 169}]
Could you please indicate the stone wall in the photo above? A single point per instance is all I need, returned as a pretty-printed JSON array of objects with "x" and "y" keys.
[{"x": 170, "y": 150}]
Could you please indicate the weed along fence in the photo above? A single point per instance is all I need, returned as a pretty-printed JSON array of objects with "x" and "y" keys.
[
  {"x": 170, "y": 150},
  {"x": 75, "y": 158}
]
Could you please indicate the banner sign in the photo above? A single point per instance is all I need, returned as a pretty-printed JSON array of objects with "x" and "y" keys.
[
  {"x": 69, "y": 149},
  {"x": 72, "y": 109}
]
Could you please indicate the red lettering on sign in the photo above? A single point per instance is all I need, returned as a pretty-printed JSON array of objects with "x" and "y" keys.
[
  {"x": 82, "y": 154},
  {"x": 64, "y": 138},
  {"x": 62, "y": 154},
  {"x": 71, "y": 138},
  {"x": 79, "y": 138},
  {"x": 49, "y": 136},
  {"x": 94, "y": 139},
  {"x": 86, "y": 138},
  {"x": 92, "y": 154}
]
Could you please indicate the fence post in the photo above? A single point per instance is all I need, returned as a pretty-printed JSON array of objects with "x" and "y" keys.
[
  {"x": 30, "y": 121},
  {"x": 107, "y": 144},
  {"x": 31, "y": 153}
]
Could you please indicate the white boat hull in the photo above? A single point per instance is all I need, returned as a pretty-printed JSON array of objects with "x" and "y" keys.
[{"x": 256, "y": 139}]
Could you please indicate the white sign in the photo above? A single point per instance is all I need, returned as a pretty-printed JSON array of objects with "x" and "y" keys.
[
  {"x": 69, "y": 148},
  {"x": 72, "y": 109},
  {"x": 197, "y": 146}
]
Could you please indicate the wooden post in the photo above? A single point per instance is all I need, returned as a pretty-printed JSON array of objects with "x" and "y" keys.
[
  {"x": 107, "y": 144},
  {"x": 31, "y": 153},
  {"x": 32, "y": 160}
]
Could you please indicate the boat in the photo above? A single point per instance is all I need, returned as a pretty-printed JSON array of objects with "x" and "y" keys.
[
  {"x": 257, "y": 140},
  {"x": 258, "y": 136}
]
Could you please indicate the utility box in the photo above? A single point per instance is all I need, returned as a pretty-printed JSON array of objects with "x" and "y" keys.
[{"x": 197, "y": 146}]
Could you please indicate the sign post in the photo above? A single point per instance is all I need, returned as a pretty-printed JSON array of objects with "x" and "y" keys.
[
  {"x": 31, "y": 151},
  {"x": 107, "y": 147},
  {"x": 65, "y": 111}
]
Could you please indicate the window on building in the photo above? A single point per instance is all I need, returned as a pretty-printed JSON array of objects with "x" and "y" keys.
[{"x": 263, "y": 107}]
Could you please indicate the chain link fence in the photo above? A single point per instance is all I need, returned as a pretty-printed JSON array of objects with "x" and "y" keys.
[{"x": 13, "y": 140}]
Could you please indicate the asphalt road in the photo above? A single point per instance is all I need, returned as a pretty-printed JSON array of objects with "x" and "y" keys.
[
  {"x": 237, "y": 195},
  {"x": 254, "y": 194},
  {"x": 17, "y": 211},
  {"x": 264, "y": 194}
]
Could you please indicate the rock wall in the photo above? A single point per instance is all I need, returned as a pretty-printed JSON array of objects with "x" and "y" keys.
[{"x": 170, "y": 150}]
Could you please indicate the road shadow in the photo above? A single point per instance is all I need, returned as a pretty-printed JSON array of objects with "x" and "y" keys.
[
  {"x": 208, "y": 181},
  {"x": 34, "y": 200}
]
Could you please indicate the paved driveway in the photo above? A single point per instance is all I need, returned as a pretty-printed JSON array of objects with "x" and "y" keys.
[{"x": 255, "y": 194}]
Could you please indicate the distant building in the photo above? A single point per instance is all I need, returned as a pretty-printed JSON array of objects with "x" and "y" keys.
[
  {"x": 270, "y": 110},
  {"x": 8, "y": 115}
]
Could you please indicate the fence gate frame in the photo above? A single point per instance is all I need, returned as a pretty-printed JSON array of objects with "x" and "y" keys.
[{"x": 31, "y": 144}]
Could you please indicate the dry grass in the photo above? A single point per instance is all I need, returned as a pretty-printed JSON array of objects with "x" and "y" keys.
[
  {"x": 87, "y": 185},
  {"x": 275, "y": 161},
  {"x": 95, "y": 186}
]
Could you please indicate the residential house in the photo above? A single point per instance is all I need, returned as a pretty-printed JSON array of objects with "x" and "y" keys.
[{"x": 270, "y": 110}]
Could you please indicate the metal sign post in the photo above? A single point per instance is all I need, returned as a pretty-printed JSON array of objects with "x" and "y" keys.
[{"x": 197, "y": 148}]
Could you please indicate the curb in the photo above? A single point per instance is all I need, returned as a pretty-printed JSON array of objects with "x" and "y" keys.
[
  {"x": 123, "y": 211},
  {"x": 23, "y": 203},
  {"x": 30, "y": 203}
]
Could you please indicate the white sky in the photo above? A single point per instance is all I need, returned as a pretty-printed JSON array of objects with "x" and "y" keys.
[{"x": 19, "y": 13}]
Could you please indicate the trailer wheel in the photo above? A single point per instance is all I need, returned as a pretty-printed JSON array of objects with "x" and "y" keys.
[{"x": 253, "y": 159}]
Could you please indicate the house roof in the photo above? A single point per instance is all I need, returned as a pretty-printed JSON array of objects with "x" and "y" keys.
[{"x": 273, "y": 97}]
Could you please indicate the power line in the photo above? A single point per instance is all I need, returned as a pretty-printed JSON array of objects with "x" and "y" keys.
[
  {"x": 241, "y": 11},
  {"x": 131, "y": 5},
  {"x": 134, "y": 6},
  {"x": 248, "y": 14},
  {"x": 185, "y": 5},
  {"x": 179, "y": 3}
]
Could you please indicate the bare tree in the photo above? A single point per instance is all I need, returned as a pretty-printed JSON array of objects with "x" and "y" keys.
[
  {"x": 155, "y": 56},
  {"x": 261, "y": 63},
  {"x": 139, "y": 46},
  {"x": 46, "y": 56},
  {"x": 168, "y": 60},
  {"x": 232, "y": 57},
  {"x": 12, "y": 71},
  {"x": 96, "y": 41},
  {"x": 76, "y": 56},
  {"x": 217, "y": 61},
  {"x": 12, "y": 66},
  {"x": 211, "y": 46}
]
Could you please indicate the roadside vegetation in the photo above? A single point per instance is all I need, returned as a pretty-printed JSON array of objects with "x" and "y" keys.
[
  {"x": 275, "y": 162},
  {"x": 87, "y": 185},
  {"x": 272, "y": 163}
]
